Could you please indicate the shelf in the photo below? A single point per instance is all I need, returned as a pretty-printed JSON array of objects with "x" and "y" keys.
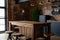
[
  {"x": 56, "y": 7},
  {"x": 54, "y": 0}
]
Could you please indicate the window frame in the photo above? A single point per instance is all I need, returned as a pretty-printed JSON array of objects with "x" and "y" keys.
[{"x": 5, "y": 7}]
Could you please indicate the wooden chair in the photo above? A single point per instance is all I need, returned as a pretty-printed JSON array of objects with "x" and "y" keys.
[
  {"x": 16, "y": 35},
  {"x": 9, "y": 37}
]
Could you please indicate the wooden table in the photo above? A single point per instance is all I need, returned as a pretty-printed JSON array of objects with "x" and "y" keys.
[{"x": 30, "y": 28}]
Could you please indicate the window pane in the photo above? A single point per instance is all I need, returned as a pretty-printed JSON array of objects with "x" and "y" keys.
[
  {"x": 2, "y": 27},
  {"x": 2, "y": 21},
  {"x": 2, "y": 3},
  {"x": 2, "y": 13}
]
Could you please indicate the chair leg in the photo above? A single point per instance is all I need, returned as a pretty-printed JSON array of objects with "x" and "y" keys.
[
  {"x": 17, "y": 38},
  {"x": 9, "y": 37}
]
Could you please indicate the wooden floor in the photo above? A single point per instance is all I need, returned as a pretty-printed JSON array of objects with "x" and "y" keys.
[{"x": 4, "y": 36}]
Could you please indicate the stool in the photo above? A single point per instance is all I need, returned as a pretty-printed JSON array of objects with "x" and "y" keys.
[
  {"x": 9, "y": 32},
  {"x": 17, "y": 35},
  {"x": 49, "y": 34},
  {"x": 46, "y": 34}
]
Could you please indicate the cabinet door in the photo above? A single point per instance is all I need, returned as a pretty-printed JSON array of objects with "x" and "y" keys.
[
  {"x": 29, "y": 31},
  {"x": 38, "y": 31},
  {"x": 23, "y": 30},
  {"x": 55, "y": 27}
]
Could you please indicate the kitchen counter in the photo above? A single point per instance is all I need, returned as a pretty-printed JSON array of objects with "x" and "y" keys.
[{"x": 52, "y": 21}]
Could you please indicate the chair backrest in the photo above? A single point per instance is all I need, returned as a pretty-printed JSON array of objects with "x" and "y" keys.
[{"x": 15, "y": 28}]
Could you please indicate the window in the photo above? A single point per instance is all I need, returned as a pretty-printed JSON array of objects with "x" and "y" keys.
[
  {"x": 2, "y": 15},
  {"x": 2, "y": 3}
]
